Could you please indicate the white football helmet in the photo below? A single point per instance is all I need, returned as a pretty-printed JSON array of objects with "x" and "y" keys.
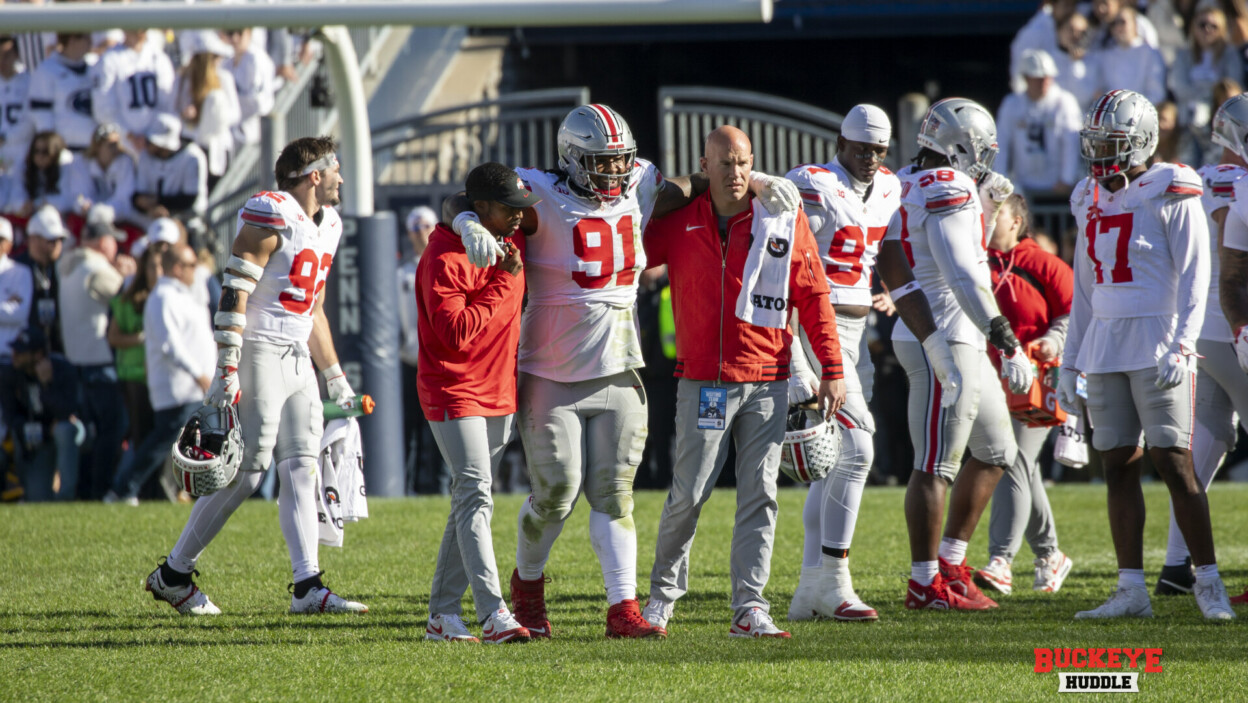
[
  {"x": 1119, "y": 133},
  {"x": 590, "y": 133},
  {"x": 811, "y": 445},
  {"x": 209, "y": 450},
  {"x": 1230, "y": 125},
  {"x": 964, "y": 132}
]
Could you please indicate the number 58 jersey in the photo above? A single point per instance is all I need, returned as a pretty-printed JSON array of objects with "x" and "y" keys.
[
  {"x": 280, "y": 309},
  {"x": 581, "y": 266}
]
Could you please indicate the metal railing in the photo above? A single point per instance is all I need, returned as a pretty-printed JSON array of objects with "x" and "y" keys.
[{"x": 1053, "y": 217}]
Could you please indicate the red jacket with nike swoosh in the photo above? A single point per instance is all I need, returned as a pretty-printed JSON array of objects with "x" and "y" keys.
[{"x": 706, "y": 276}]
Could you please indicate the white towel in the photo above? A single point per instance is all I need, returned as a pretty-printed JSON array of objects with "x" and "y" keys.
[
  {"x": 340, "y": 494},
  {"x": 764, "y": 298}
]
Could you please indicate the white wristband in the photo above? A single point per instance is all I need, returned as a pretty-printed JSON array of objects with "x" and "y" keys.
[
  {"x": 228, "y": 338},
  {"x": 229, "y": 319},
  {"x": 242, "y": 283},
  {"x": 332, "y": 372},
  {"x": 245, "y": 267},
  {"x": 463, "y": 217},
  {"x": 902, "y": 291}
]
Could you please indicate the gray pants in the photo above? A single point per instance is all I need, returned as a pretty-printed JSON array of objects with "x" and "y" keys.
[
  {"x": 1020, "y": 506},
  {"x": 754, "y": 420},
  {"x": 472, "y": 448},
  {"x": 280, "y": 408},
  {"x": 1126, "y": 407}
]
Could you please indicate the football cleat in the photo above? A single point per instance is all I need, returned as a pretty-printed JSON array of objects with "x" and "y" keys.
[
  {"x": 1214, "y": 604},
  {"x": 448, "y": 628},
  {"x": 959, "y": 581},
  {"x": 758, "y": 624},
  {"x": 658, "y": 612},
  {"x": 996, "y": 576},
  {"x": 806, "y": 597},
  {"x": 528, "y": 603},
  {"x": 186, "y": 599},
  {"x": 319, "y": 600},
  {"x": 1241, "y": 599},
  {"x": 934, "y": 596},
  {"x": 1051, "y": 572},
  {"x": 624, "y": 620},
  {"x": 848, "y": 608},
  {"x": 1176, "y": 579},
  {"x": 1122, "y": 603},
  {"x": 501, "y": 627}
]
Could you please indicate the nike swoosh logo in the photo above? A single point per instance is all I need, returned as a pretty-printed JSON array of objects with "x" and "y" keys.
[
  {"x": 537, "y": 630},
  {"x": 743, "y": 628},
  {"x": 690, "y": 228},
  {"x": 919, "y": 598},
  {"x": 1144, "y": 183},
  {"x": 887, "y": 194},
  {"x": 435, "y": 630}
]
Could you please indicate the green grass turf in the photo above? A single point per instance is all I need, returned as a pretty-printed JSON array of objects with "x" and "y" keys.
[{"x": 75, "y": 623}]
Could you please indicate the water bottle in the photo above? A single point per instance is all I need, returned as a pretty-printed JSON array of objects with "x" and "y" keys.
[{"x": 364, "y": 405}]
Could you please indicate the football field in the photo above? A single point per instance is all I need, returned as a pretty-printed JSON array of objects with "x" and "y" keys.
[{"x": 75, "y": 623}]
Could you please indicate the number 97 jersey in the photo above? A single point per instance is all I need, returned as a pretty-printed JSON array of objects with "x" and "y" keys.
[{"x": 280, "y": 309}]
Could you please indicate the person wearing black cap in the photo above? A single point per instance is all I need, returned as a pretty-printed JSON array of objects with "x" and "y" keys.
[
  {"x": 468, "y": 322},
  {"x": 39, "y": 400}
]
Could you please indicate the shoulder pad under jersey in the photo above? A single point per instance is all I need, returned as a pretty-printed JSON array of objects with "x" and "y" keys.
[
  {"x": 265, "y": 209},
  {"x": 1082, "y": 193},
  {"x": 1239, "y": 201},
  {"x": 814, "y": 182},
  {"x": 1219, "y": 181},
  {"x": 945, "y": 190}
]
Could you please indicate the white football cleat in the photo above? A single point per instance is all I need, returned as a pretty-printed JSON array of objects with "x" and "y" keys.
[
  {"x": 1122, "y": 603},
  {"x": 806, "y": 597},
  {"x": 448, "y": 628},
  {"x": 1213, "y": 601},
  {"x": 996, "y": 576},
  {"x": 846, "y": 607},
  {"x": 658, "y": 612},
  {"x": 319, "y": 600},
  {"x": 756, "y": 623},
  {"x": 1051, "y": 572},
  {"x": 188, "y": 599},
  {"x": 502, "y": 627}
]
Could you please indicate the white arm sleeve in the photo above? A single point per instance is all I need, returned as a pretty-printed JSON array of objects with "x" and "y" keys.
[
  {"x": 953, "y": 248},
  {"x": 1188, "y": 237},
  {"x": 1235, "y": 230}
]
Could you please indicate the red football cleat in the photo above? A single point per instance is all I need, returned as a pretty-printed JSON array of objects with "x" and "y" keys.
[
  {"x": 961, "y": 584},
  {"x": 934, "y": 596},
  {"x": 528, "y": 604},
  {"x": 624, "y": 620}
]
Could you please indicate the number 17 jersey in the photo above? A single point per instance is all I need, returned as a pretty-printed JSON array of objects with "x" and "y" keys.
[{"x": 581, "y": 266}]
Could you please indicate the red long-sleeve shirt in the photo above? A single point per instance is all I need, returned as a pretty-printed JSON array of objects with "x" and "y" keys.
[
  {"x": 706, "y": 277},
  {"x": 468, "y": 324},
  {"x": 1032, "y": 287}
]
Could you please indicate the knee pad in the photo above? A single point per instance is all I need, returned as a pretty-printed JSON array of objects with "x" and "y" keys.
[
  {"x": 619, "y": 504},
  {"x": 1165, "y": 437},
  {"x": 554, "y": 503},
  {"x": 857, "y": 454}
]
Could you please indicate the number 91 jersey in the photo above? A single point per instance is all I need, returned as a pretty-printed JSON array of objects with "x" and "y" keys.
[
  {"x": 280, "y": 309},
  {"x": 581, "y": 266}
]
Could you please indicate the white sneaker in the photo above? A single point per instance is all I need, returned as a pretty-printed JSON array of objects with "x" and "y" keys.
[
  {"x": 188, "y": 599},
  {"x": 1213, "y": 601},
  {"x": 805, "y": 598},
  {"x": 658, "y": 612},
  {"x": 756, "y": 623},
  {"x": 836, "y": 599},
  {"x": 1051, "y": 572},
  {"x": 448, "y": 628},
  {"x": 502, "y": 627},
  {"x": 319, "y": 599},
  {"x": 1122, "y": 603},
  {"x": 996, "y": 576}
]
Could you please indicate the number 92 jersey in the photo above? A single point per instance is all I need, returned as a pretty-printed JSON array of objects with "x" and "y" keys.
[
  {"x": 847, "y": 230},
  {"x": 280, "y": 309},
  {"x": 581, "y": 266}
]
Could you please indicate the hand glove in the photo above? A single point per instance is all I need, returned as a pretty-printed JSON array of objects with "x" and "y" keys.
[
  {"x": 1173, "y": 367},
  {"x": 1241, "y": 347},
  {"x": 941, "y": 358},
  {"x": 338, "y": 388},
  {"x": 996, "y": 187},
  {"x": 482, "y": 247},
  {"x": 224, "y": 389},
  {"x": 777, "y": 194},
  {"x": 1016, "y": 369},
  {"x": 1068, "y": 390},
  {"x": 802, "y": 387}
]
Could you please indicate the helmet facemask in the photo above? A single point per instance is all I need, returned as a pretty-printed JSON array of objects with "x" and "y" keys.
[
  {"x": 583, "y": 172},
  {"x": 1108, "y": 154}
]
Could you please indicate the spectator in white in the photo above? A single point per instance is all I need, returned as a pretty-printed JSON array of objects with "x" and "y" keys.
[
  {"x": 45, "y": 241},
  {"x": 60, "y": 92},
  {"x": 1102, "y": 17},
  {"x": 172, "y": 178},
  {"x": 39, "y": 399},
  {"x": 15, "y": 128},
  {"x": 133, "y": 83},
  {"x": 100, "y": 217},
  {"x": 46, "y": 177},
  {"x": 181, "y": 357},
  {"x": 1076, "y": 66},
  {"x": 88, "y": 283},
  {"x": 1171, "y": 23},
  {"x": 1040, "y": 32},
  {"x": 255, "y": 78},
  {"x": 109, "y": 169},
  {"x": 426, "y": 472},
  {"x": 1038, "y": 132},
  {"x": 1192, "y": 78},
  {"x": 1130, "y": 63},
  {"x": 15, "y": 296},
  {"x": 207, "y": 100}
]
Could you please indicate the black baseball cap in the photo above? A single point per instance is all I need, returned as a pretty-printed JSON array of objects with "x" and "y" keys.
[{"x": 494, "y": 181}]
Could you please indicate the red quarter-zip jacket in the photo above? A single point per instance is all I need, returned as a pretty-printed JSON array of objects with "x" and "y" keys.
[
  {"x": 1031, "y": 286},
  {"x": 706, "y": 276}
]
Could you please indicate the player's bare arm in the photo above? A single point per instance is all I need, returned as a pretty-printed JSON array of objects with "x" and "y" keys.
[
  {"x": 321, "y": 341},
  {"x": 677, "y": 192},
  {"x": 252, "y": 249},
  {"x": 894, "y": 271},
  {"x": 1233, "y": 286}
]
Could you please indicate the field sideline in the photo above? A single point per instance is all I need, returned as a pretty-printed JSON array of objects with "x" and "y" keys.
[{"x": 76, "y": 625}]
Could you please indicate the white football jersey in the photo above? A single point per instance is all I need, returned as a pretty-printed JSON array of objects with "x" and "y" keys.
[
  {"x": 280, "y": 309},
  {"x": 60, "y": 99},
  {"x": 1219, "y": 184},
  {"x": 114, "y": 185},
  {"x": 1141, "y": 270},
  {"x": 183, "y": 173},
  {"x": 581, "y": 266},
  {"x": 927, "y": 195},
  {"x": 131, "y": 86},
  {"x": 1039, "y": 139},
  {"x": 847, "y": 230},
  {"x": 15, "y": 127}
]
